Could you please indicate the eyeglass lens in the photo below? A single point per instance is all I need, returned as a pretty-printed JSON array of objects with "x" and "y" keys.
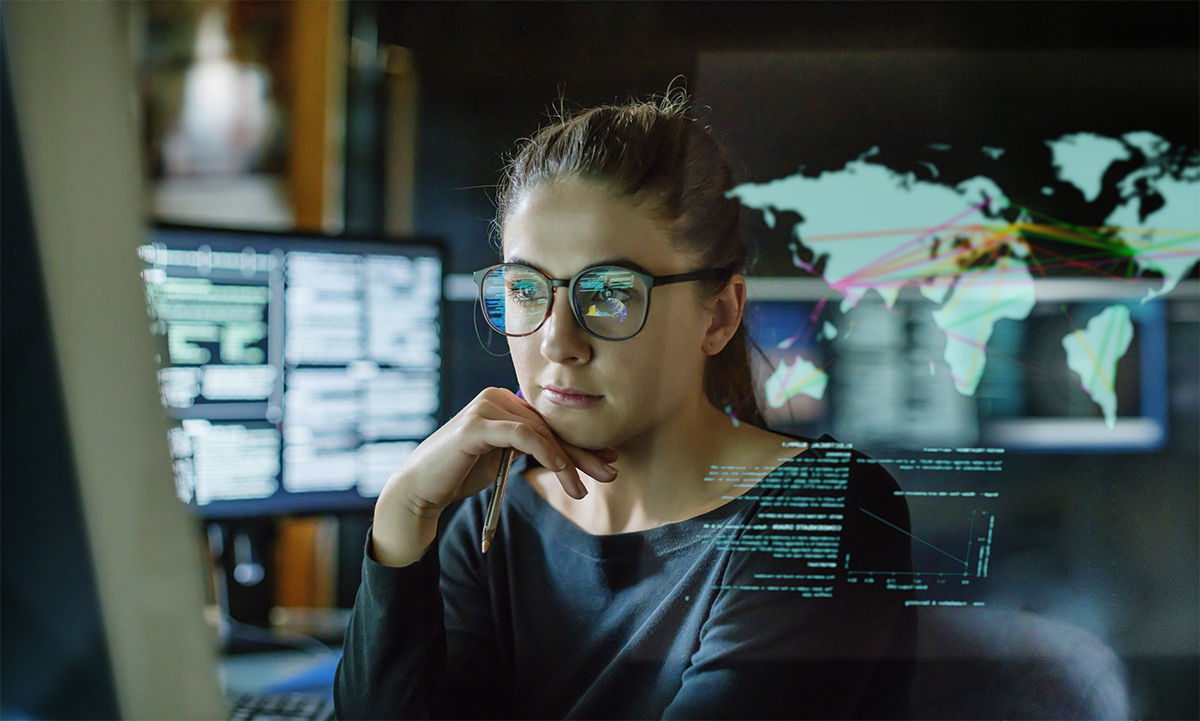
[{"x": 610, "y": 301}]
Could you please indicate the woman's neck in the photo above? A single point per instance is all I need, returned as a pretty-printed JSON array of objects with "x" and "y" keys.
[{"x": 663, "y": 471}]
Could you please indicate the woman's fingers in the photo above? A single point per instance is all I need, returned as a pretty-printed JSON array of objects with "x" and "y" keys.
[
  {"x": 538, "y": 442},
  {"x": 608, "y": 455},
  {"x": 591, "y": 463},
  {"x": 460, "y": 459},
  {"x": 596, "y": 462},
  {"x": 504, "y": 404}
]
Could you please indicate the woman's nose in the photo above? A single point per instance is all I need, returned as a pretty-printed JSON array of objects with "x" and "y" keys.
[{"x": 562, "y": 340}]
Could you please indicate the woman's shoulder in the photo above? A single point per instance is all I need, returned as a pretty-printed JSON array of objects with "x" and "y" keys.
[
  {"x": 826, "y": 446},
  {"x": 759, "y": 447},
  {"x": 872, "y": 499},
  {"x": 829, "y": 464}
]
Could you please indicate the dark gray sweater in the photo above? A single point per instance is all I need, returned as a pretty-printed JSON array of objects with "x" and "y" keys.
[{"x": 743, "y": 612}]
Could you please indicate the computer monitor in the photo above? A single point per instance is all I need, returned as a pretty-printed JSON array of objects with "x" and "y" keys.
[
  {"x": 885, "y": 381},
  {"x": 301, "y": 370}
]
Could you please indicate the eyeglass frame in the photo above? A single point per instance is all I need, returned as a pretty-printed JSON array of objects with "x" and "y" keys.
[{"x": 651, "y": 281}]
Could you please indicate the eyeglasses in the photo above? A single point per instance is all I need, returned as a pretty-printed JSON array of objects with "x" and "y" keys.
[{"x": 609, "y": 302}]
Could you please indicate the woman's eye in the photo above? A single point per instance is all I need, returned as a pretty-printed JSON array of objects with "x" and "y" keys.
[
  {"x": 616, "y": 294},
  {"x": 521, "y": 293}
]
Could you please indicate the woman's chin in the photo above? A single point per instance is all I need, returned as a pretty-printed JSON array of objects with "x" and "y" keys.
[{"x": 586, "y": 433}]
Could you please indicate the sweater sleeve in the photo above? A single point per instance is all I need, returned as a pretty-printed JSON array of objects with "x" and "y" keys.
[
  {"x": 421, "y": 640},
  {"x": 395, "y": 645},
  {"x": 781, "y": 654}
]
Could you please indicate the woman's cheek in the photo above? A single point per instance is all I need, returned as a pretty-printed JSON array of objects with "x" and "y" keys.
[{"x": 524, "y": 359}]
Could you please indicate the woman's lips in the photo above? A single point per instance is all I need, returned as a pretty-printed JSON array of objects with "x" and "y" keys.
[{"x": 570, "y": 397}]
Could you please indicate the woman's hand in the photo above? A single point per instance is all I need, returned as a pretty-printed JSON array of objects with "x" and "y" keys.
[{"x": 462, "y": 458}]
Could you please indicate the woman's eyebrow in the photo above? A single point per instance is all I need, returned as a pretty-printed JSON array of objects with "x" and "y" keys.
[
  {"x": 521, "y": 261},
  {"x": 623, "y": 262}
]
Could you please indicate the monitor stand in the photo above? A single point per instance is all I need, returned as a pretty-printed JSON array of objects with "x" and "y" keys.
[{"x": 242, "y": 552}]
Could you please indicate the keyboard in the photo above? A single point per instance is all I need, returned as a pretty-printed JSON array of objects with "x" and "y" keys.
[{"x": 278, "y": 707}]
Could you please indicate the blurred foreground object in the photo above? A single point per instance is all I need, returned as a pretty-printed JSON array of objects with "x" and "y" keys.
[{"x": 71, "y": 86}]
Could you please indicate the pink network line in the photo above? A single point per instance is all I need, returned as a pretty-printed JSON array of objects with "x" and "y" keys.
[
  {"x": 992, "y": 306},
  {"x": 991, "y": 241},
  {"x": 812, "y": 319},
  {"x": 838, "y": 286},
  {"x": 976, "y": 345},
  {"x": 998, "y": 355},
  {"x": 1087, "y": 263},
  {"x": 982, "y": 273},
  {"x": 811, "y": 323},
  {"x": 1106, "y": 261},
  {"x": 792, "y": 371},
  {"x": 1068, "y": 261}
]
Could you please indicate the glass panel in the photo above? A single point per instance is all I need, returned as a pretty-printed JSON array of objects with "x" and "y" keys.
[
  {"x": 611, "y": 301},
  {"x": 515, "y": 298}
]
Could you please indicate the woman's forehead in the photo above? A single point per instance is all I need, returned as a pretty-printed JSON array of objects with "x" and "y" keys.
[{"x": 566, "y": 226}]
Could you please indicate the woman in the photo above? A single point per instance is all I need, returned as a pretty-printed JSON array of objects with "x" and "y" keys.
[{"x": 653, "y": 558}]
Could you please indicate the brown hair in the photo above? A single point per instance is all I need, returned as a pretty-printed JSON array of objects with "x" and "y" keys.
[{"x": 655, "y": 155}]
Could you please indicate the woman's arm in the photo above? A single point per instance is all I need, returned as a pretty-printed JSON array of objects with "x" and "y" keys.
[
  {"x": 395, "y": 646},
  {"x": 422, "y": 638},
  {"x": 407, "y": 651}
]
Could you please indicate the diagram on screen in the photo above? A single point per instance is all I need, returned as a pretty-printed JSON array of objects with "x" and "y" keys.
[{"x": 952, "y": 535}]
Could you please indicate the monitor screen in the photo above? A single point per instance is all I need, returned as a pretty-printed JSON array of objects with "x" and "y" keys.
[
  {"x": 880, "y": 375},
  {"x": 300, "y": 371}
]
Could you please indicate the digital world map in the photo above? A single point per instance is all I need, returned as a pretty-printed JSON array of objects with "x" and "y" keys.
[{"x": 975, "y": 254}]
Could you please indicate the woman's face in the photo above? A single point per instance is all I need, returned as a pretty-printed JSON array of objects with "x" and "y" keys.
[{"x": 596, "y": 393}]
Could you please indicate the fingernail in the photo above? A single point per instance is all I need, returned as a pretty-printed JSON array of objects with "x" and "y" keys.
[
  {"x": 610, "y": 469},
  {"x": 560, "y": 464}
]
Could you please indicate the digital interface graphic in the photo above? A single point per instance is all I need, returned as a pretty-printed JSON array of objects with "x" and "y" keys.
[
  {"x": 952, "y": 556},
  {"x": 872, "y": 228},
  {"x": 973, "y": 265},
  {"x": 904, "y": 182}
]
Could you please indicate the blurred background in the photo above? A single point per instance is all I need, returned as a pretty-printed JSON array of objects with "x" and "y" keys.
[{"x": 343, "y": 156}]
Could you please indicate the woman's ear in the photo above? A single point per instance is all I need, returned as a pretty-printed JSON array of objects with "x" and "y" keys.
[{"x": 725, "y": 315}]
